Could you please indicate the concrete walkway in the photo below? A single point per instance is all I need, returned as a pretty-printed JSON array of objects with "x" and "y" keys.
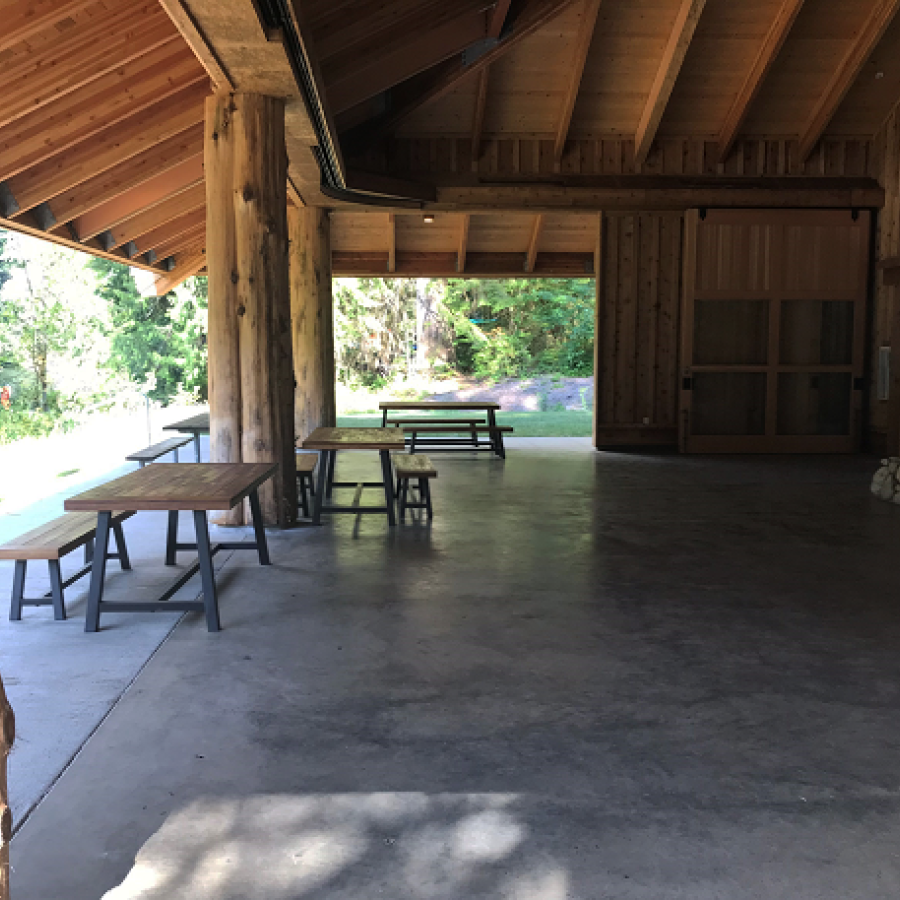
[{"x": 595, "y": 675}]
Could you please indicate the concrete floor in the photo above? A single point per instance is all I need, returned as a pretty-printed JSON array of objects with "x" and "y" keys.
[{"x": 595, "y": 675}]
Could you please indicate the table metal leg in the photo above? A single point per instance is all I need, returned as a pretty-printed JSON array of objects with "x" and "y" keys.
[
  {"x": 171, "y": 537},
  {"x": 331, "y": 457},
  {"x": 207, "y": 576},
  {"x": 197, "y": 446},
  {"x": 262, "y": 547},
  {"x": 56, "y": 590},
  {"x": 388, "y": 478},
  {"x": 319, "y": 497},
  {"x": 384, "y": 413},
  {"x": 496, "y": 436},
  {"x": 98, "y": 572},
  {"x": 18, "y": 591},
  {"x": 121, "y": 548}
]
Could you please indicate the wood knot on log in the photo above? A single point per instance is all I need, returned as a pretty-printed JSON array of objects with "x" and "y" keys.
[
  {"x": 234, "y": 277},
  {"x": 241, "y": 310},
  {"x": 247, "y": 194},
  {"x": 5, "y": 824},
  {"x": 7, "y": 730}
]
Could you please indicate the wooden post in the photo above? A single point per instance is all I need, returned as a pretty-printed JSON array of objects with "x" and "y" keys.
[
  {"x": 221, "y": 257},
  {"x": 7, "y": 737},
  {"x": 312, "y": 321},
  {"x": 251, "y": 383}
]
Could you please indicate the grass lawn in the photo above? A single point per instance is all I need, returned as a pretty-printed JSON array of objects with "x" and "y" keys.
[{"x": 567, "y": 423}]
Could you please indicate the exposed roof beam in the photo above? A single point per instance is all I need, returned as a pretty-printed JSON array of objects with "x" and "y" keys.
[
  {"x": 196, "y": 40},
  {"x": 579, "y": 58},
  {"x": 377, "y": 72},
  {"x": 142, "y": 199},
  {"x": 498, "y": 18},
  {"x": 184, "y": 269},
  {"x": 172, "y": 208},
  {"x": 187, "y": 224},
  {"x": 91, "y": 110},
  {"x": 25, "y": 20},
  {"x": 439, "y": 264},
  {"x": 392, "y": 243},
  {"x": 124, "y": 140},
  {"x": 463, "y": 244},
  {"x": 478, "y": 121},
  {"x": 431, "y": 85},
  {"x": 189, "y": 242},
  {"x": 152, "y": 163},
  {"x": 768, "y": 53},
  {"x": 846, "y": 73},
  {"x": 80, "y": 55},
  {"x": 666, "y": 76},
  {"x": 534, "y": 243}
]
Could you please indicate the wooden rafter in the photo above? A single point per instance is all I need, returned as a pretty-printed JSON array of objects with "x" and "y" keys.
[
  {"x": 463, "y": 244},
  {"x": 768, "y": 53},
  {"x": 666, "y": 76},
  {"x": 141, "y": 200},
  {"x": 190, "y": 223},
  {"x": 161, "y": 214},
  {"x": 379, "y": 71},
  {"x": 580, "y": 55},
  {"x": 439, "y": 264},
  {"x": 79, "y": 56},
  {"x": 188, "y": 242},
  {"x": 120, "y": 95},
  {"x": 124, "y": 140},
  {"x": 432, "y": 85},
  {"x": 196, "y": 40},
  {"x": 846, "y": 73},
  {"x": 152, "y": 163},
  {"x": 478, "y": 120},
  {"x": 534, "y": 243},
  {"x": 25, "y": 20},
  {"x": 392, "y": 243},
  {"x": 498, "y": 18},
  {"x": 184, "y": 269}
]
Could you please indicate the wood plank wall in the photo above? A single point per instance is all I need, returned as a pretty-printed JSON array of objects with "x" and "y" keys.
[
  {"x": 670, "y": 156},
  {"x": 638, "y": 302},
  {"x": 884, "y": 415}
]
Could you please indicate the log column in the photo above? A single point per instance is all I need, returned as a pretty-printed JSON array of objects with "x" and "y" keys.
[
  {"x": 251, "y": 370},
  {"x": 7, "y": 736},
  {"x": 312, "y": 319}
]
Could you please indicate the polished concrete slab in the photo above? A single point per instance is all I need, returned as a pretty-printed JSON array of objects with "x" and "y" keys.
[{"x": 594, "y": 675}]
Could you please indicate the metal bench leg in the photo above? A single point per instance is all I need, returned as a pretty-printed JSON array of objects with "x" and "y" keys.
[
  {"x": 262, "y": 547},
  {"x": 322, "y": 488},
  {"x": 176, "y": 454},
  {"x": 496, "y": 436},
  {"x": 304, "y": 499},
  {"x": 18, "y": 591},
  {"x": 56, "y": 588},
  {"x": 89, "y": 552},
  {"x": 197, "y": 446},
  {"x": 425, "y": 491},
  {"x": 403, "y": 497},
  {"x": 98, "y": 572},
  {"x": 331, "y": 465},
  {"x": 121, "y": 549},
  {"x": 387, "y": 476},
  {"x": 171, "y": 537},
  {"x": 207, "y": 576}
]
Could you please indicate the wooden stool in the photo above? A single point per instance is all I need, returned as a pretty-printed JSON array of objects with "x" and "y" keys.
[
  {"x": 408, "y": 466},
  {"x": 306, "y": 466}
]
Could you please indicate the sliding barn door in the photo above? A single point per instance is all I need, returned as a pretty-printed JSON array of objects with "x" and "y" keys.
[{"x": 773, "y": 331}]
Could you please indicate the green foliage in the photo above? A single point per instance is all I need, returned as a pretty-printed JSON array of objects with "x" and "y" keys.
[
  {"x": 159, "y": 342},
  {"x": 18, "y": 424},
  {"x": 511, "y": 327}
]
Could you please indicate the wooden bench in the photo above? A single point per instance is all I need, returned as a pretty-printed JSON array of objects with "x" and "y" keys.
[
  {"x": 52, "y": 541},
  {"x": 408, "y": 466},
  {"x": 495, "y": 441},
  {"x": 306, "y": 466},
  {"x": 155, "y": 451}
]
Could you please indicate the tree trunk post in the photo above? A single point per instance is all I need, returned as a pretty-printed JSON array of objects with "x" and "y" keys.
[
  {"x": 312, "y": 320},
  {"x": 7, "y": 737},
  {"x": 251, "y": 383}
]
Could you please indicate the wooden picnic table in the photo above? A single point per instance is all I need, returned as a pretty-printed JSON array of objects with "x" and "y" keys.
[
  {"x": 453, "y": 426},
  {"x": 328, "y": 441},
  {"x": 196, "y": 488},
  {"x": 195, "y": 426}
]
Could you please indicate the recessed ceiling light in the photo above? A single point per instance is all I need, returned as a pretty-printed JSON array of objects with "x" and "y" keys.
[{"x": 428, "y": 218}]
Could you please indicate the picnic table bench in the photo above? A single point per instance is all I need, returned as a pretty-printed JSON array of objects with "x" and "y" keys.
[
  {"x": 441, "y": 429},
  {"x": 155, "y": 451},
  {"x": 52, "y": 541},
  {"x": 409, "y": 467}
]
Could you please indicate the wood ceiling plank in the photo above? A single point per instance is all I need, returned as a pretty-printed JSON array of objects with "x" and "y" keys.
[
  {"x": 24, "y": 20},
  {"x": 187, "y": 26},
  {"x": 188, "y": 242},
  {"x": 463, "y": 247},
  {"x": 102, "y": 103},
  {"x": 478, "y": 119},
  {"x": 147, "y": 220},
  {"x": 144, "y": 198},
  {"x": 534, "y": 242},
  {"x": 846, "y": 73},
  {"x": 378, "y": 71},
  {"x": 122, "y": 141},
  {"x": 585, "y": 36},
  {"x": 768, "y": 53},
  {"x": 82, "y": 54},
  {"x": 183, "y": 225},
  {"x": 666, "y": 76},
  {"x": 183, "y": 149}
]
